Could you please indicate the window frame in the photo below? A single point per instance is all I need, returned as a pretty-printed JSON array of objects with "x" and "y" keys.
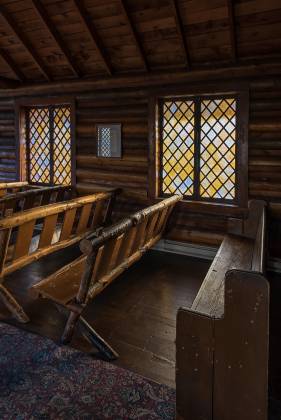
[
  {"x": 155, "y": 146},
  {"x": 21, "y": 106}
]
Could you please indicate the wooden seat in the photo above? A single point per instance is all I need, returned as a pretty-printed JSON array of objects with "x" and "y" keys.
[
  {"x": 63, "y": 225},
  {"x": 234, "y": 253},
  {"x": 105, "y": 258},
  {"x": 222, "y": 340}
]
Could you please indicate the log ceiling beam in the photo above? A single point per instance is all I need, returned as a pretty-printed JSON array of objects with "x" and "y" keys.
[
  {"x": 232, "y": 28},
  {"x": 181, "y": 32},
  {"x": 90, "y": 28},
  {"x": 43, "y": 15},
  {"x": 25, "y": 43},
  {"x": 134, "y": 33},
  {"x": 12, "y": 65},
  {"x": 6, "y": 83}
]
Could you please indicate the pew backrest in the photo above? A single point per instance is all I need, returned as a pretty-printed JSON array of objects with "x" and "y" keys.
[
  {"x": 107, "y": 255},
  {"x": 119, "y": 247},
  {"x": 63, "y": 224},
  {"x": 11, "y": 187},
  {"x": 25, "y": 200}
]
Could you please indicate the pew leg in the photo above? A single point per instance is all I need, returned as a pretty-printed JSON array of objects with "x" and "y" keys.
[
  {"x": 98, "y": 342},
  {"x": 104, "y": 348},
  {"x": 69, "y": 328},
  {"x": 13, "y": 306}
]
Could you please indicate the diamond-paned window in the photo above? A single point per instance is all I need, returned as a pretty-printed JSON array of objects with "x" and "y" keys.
[
  {"x": 218, "y": 149},
  {"x": 109, "y": 140},
  {"x": 178, "y": 147},
  {"x": 62, "y": 146},
  {"x": 49, "y": 145},
  {"x": 198, "y": 147}
]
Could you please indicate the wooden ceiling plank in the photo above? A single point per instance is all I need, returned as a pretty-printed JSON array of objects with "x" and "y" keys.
[
  {"x": 181, "y": 32},
  {"x": 12, "y": 65},
  {"x": 90, "y": 28},
  {"x": 43, "y": 15},
  {"x": 232, "y": 28},
  {"x": 6, "y": 83},
  {"x": 134, "y": 33},
  {"x": 25, "y": 42}
]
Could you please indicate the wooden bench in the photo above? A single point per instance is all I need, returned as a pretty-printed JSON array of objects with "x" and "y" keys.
[
  {"x": 12, "y": 187},
  {"x": 222, "y": 341},
  {"x": 29, "y": 199},
  {"x": 104, "y": 259},
  {"x": 63, "y": 224}
]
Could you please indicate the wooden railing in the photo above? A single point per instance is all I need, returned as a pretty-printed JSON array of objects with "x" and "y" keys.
[
  {"x": 62, "y": 225},
  {"x": 29, "y": 199},
  {"x": 11, "y": 187},
  {"x": 105, "y": 258}
]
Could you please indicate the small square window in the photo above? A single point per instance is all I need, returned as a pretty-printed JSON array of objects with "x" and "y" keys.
[{"x": 109, "y": 140}]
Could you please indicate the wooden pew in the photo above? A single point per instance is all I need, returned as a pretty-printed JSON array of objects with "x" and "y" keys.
[
  {"x": 104, "y": 259},
  {"x": 13, "y": 187},
  {"x": 63, "y": 224},
  {"x": 29, "y": 199},
  {"x": 222, "y": 341}
]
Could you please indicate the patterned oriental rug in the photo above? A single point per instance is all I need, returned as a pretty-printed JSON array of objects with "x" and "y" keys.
[{"x": 41, "y": 380}]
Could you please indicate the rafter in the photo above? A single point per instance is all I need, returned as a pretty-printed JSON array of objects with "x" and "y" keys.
[
  {"x": 90, "y": 28},
  {"x": 42, "y": 13},
  {"x": 6, "y": 83},
  {"x": 12, "y": 65},
  {"x": 232, "y": 28},
  {"x": 134, "y": 33},
  {"x": 25, "y": 42},
  {"x": 181, "y": 33}
]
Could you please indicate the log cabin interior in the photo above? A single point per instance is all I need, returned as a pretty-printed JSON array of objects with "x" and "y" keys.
[{"x": 140, "y": 142}]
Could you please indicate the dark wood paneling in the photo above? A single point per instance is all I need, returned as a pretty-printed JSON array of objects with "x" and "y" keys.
[{"x": 7, "y": 141}]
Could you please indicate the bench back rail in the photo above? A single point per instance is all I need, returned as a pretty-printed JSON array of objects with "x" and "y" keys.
[
  {"x": 29, "y": 199},
  {"x": 12, "y": 187}
]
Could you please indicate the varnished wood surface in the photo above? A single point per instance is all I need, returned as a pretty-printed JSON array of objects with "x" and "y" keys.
[
  {"x": 47, "y": 40},
  {"x": 136, "y": 314},
  {"x": 235, "y": 252},
  {"x": 138, "y": 311}
]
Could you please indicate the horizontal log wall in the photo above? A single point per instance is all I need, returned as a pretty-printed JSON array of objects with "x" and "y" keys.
[
  {"x": 7, "y": 141},
  {"x": 130, "y": 107}
]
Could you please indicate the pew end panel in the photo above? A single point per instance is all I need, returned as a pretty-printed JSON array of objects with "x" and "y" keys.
[{"x": 223, "y": 362}]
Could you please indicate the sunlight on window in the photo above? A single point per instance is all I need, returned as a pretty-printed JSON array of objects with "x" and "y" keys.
[
  {"x": 215, "y": 164},
  {"x": 62, "y": 146},
  {"x": 218, "y": 149},
  {"x": 178, "y": 147},
  {"x": 50, "y": 145},
  {"x": 39, "y": 145}
]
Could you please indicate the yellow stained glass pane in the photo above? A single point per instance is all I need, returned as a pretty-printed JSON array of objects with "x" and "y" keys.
[
  {"x": 62, "y": 146},
  {"x": 39, "y": 145},
  {"x": 178, "y": 147},
  {"x": 218, "y": 149}
]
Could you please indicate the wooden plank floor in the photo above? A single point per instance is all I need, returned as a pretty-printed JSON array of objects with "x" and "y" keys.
[{"x": 136, "y": 314}]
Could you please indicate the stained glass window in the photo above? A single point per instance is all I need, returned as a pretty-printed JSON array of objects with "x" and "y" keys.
[
  {"x": 49, "y": 145},
  {"x": 198, "y": 142}
]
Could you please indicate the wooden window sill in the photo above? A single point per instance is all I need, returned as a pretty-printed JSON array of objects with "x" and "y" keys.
[{"x": 224, "y": 209}]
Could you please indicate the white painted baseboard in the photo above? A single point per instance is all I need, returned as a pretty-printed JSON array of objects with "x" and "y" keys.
[{"x": 203, "y": 252}]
